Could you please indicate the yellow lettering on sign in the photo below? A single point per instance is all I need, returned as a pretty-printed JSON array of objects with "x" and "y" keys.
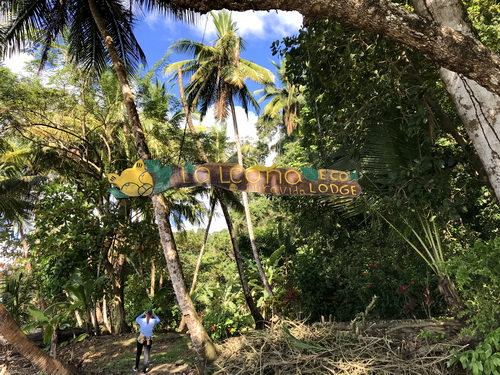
[
  {"x": 322, "y": 174},
  {"x": 291, "y": 182},
  {"x": 339, "y": 176},
  {"x": 198, "y": 170},
  {"x": 344, "y": 189},
  {"x": 220, "y": 174},
  {"x": 322, "y": 188},
  {"x": 334, "y": 188},
  {"x": 247, "y": 175},
  {"x": 268, "y": 172},
  {"x": 239, "y": 170},
  {"x": 183, "y": 175}
]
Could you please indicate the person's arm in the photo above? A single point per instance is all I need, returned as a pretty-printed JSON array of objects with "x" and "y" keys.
[
  {"x": 157, "y": 320},
  {"x": 139, "y": 317}
]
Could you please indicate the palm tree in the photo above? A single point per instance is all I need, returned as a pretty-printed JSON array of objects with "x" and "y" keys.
[
  {"x": 225, "y": 198},
  {"x": 284, "y": 102},
  {"x": 100, "y": 32},
  {"x": 218, "y": 76},
  {"x": 41, "y": 359}
]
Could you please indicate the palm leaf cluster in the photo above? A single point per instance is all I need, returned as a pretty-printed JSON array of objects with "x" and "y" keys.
[
  {"x": 39, "y": 23},
  {"x": 217, "y": 72}
]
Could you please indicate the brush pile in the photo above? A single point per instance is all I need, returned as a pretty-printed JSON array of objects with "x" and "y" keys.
[{"x": 295, "y": 348}]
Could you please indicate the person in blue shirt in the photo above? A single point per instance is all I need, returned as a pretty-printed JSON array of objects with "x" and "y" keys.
[{"x": 147, "y": 322}]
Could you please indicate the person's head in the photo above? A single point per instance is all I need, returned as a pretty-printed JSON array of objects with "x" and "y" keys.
[{"x": 149, "y": 312}]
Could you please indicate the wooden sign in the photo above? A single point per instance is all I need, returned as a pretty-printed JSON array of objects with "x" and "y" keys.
[{"x": 136, "y": 181}]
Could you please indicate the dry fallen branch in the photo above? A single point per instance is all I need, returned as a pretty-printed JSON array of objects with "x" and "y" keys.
[{"x": 296, "y": 348}]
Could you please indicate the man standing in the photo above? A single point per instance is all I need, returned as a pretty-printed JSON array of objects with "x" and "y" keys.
[{"x": 146, "y": 321}]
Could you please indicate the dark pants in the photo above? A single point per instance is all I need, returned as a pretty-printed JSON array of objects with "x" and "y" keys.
[{"x": 147, "y": 349}]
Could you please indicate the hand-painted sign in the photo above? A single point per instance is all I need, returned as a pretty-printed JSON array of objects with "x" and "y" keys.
[{"x": 156, "y": 178}]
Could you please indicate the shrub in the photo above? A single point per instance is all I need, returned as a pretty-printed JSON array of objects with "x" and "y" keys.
[{"x": 476, "y": 271}]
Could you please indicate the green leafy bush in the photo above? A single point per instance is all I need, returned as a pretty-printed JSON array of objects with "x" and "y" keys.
[
  {"x": 225, "y": 313},
  {"x": 476, "y": 271},
  {"x": 484, "y": 359}
]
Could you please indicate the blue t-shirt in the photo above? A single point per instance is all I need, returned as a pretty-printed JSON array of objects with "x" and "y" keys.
[{"x": 147, "y": 327}]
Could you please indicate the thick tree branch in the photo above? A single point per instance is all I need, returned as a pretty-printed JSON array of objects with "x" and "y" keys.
[{"x": 445, "y": 46}]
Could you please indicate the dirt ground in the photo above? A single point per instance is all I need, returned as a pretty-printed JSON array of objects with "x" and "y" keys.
[{"x": 111, "y": 355}]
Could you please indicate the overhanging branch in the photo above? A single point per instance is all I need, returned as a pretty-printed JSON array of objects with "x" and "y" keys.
[{"x": 445, "y": 46}]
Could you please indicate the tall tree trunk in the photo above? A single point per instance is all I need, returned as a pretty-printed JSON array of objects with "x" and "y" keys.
[
  {"x": 196, "y": 272},
  {"x": 53, "y": 344},
  {"x": 478, "y": 108},
  {"x": 257, "y": 316},
  {"x": 248, "y": 216},
  {"x": 95, "y": 322},
  {"x": 105, "y": 315},
  {"x": 28, "y": 349},
  {"x": 254, "y": 311},
  {"x": 114, "y": 265},
  {"x": 201, "y": 341},
  {"x": 153, "y": 279}
]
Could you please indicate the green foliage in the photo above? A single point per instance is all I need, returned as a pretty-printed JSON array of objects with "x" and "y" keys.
[
  {"x": 68, "y": 237},
  {"x": 432, "y": 336},
  {"x": 475, "y": 271},
  {"x": 484, "y": 359},
  {"x": 50, "y": 319},
  {"x": 224, "y": 312},
  {"x": 16, "y": 294},
  {"x": 485, "y": 17},
  {"x": 329, "y": 288}
]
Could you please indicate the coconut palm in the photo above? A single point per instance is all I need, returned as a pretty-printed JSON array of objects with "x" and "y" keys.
[
  {"x": 100, "y": 32},
  {"x": 284, "y": 102},
  {"x": 218, "y": 75},
  {"x": 225, "y": 199},
  {"x": 41, "y": 359}
]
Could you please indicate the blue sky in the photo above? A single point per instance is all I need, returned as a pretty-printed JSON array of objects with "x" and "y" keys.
[{"x": 258, "y": 29}]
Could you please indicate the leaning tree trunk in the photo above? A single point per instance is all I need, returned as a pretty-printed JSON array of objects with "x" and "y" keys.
[
  {"x": 28, "y": 349},
  {"x": 445, "y": 46},
  {"x": 254, "y": 311},
  {"x": 201, "y": 341},
  {"x": 248, "y": 216},
  {"x": 196, "y": 272},
  {"x": 478, "y": 108}
]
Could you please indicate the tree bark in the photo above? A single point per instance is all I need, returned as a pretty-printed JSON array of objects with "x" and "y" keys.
[
  {"x": 440, "y": 43},
  {"x": 478, "y": 108},
  {"x": 254, "y": 311},
  {"x": 28, "y": 349},
  {"x": 248, "y": 216},
  {"x": 196, "y": 272},
  {"x": 201, "y": 342},
  {"x": 257, "y": 316},
  {"x": 114, "y": 264}
]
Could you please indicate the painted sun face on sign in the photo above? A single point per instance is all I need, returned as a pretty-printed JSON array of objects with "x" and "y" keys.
[{"x": 134, "y": 182}]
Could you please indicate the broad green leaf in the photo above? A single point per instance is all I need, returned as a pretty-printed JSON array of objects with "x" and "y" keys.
[
  {"x": 275, "y": 256},
  {"x": 188, "y": 167},
  {"x": 164, "y": 174},
  {"x": 160, "y": 187},
  {"x": 310, "y": 173},
  {"x": 153, "y": 166},
  {"x": 38, "y": 315},
  {"x": 115, "y": 192}
]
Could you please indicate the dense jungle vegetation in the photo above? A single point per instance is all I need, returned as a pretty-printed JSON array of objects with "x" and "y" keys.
[{"x": 420, "y": 243}]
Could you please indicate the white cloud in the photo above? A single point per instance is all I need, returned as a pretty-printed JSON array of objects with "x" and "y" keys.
[
  {"x": 256, "y": 24},
  {"x": 17, "y": 62},
  {"x": 246, "y": 125}
]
